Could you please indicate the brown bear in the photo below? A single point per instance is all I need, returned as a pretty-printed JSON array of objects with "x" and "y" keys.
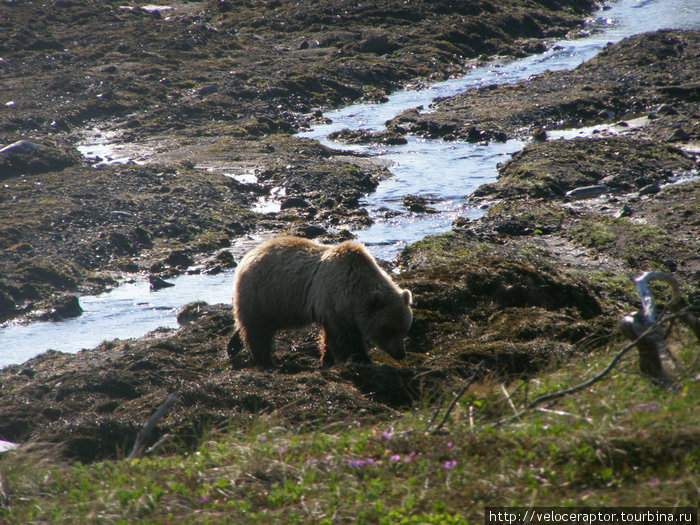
[{"x": 290, "y": 282}]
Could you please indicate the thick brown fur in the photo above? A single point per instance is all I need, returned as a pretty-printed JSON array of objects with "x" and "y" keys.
[{"x": 292, "y": 282}]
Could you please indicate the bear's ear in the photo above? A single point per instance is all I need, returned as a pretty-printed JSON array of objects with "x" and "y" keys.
[{"x": 407, "y": 297}]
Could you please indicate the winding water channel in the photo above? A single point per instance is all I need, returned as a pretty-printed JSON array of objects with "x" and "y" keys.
[{"x": 447, "y": 172}]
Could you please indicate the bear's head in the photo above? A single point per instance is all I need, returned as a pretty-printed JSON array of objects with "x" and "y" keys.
[{"x": 388, "y": 318}]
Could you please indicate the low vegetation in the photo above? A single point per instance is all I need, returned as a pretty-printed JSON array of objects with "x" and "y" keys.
[{"x": 623, "y": 441}]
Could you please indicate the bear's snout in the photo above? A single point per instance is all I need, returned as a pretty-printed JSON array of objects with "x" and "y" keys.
[{"x": 396, "y": 350}]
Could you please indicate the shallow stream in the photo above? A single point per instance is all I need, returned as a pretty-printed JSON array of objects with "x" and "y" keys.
[{"x": 445, "y": 173}]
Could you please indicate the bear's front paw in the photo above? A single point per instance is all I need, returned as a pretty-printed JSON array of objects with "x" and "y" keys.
[{"x": 235, "y": 345}]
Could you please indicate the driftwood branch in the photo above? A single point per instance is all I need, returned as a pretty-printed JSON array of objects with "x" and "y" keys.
[
  {"x": 646, "y": 333},
  {"x": 154, "y": 449},
  {"x": 466, "y": 386},
  {"x": 637, "y": 323},
  {"x": 137, "y": 451},
  {"x": 562, "y": 393},
  {"x": 4, "y": 500}
]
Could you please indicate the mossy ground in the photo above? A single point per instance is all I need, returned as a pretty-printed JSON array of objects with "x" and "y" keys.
[
  {"x": 532, "y": 292},
  {"x": 217, "y": 85},
  {"x": 618, "y": 443},
  {"x": 606, "y": 89}
]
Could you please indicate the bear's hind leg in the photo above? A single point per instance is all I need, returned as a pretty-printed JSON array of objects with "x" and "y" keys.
[
  {"x": 259, "y": 341},
  {"x": 341, "y": 344}
]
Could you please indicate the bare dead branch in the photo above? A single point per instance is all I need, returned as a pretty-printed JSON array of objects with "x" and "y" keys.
[
  {"x": 435, "y": 414},
  {"x": 466, "y": 386},
  {"x": 556, "y": 395},
  {"x": 155, "y": 448},
  {"x": 137, "y": 451},
  {"x": 4, "y": 500},
  {"x": 642, "y": 285},
  {"x": 634, "y": 324},
  {"x": 644, "y": 331},
  {"x": 510, "y": 401},
  {"x": 563, "y": 413}
]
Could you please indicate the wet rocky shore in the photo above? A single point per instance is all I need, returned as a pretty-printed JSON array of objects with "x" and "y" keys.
[{"x": 210, "y": 89}]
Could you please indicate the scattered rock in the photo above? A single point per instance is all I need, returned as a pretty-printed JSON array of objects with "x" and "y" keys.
[
  {"x": 63, "y": 307},
  {"x": 121, "y": 243},
  {"x": 678, "y": 135},
  {"x": 365, "y": 136},
  {"x": 191, "y": 312},
  {"x": 294, "y": 202},
  {"x": 650, "y": 189},
  {"x": 206, "y": 90},
  {"x": 539, "y": 134},
  {"x": 157, "y": 283},
  {"x": 311, "y": 231},
  {"x": 226, "y": 259},
  {"x": 179, "y": 258},
  {"x": 666, "y": 109},
  {"x": 586, "y": 192},
  {"x": 417, "y": 204},
  {"x": 143, "y": 237},
  {"x": 378, "y": 44},
  {"x": 626, "y": 211}
]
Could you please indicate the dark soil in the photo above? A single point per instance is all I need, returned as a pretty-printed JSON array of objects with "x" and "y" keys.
[
  {"x": 256, "y": 66},
  {"x": 95, "y": 402},
  {"x": 652, "y": 73},
  {"x": 210, "y": 84},
  {"x": 620, "y": 164},
  {"x": 223, "y": 85}
]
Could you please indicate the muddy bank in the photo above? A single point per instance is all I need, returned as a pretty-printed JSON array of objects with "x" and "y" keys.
[
  {"x": 208, "y": 84},
  {"x": 93, "y": 402},
  {"x": 534, "y": 282},
  {"x": 597, "y": 203},
  {"x": 255, "y": 65},
  {"x": 652, "y": 74}
]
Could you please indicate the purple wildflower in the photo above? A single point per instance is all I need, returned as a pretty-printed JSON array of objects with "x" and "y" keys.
[
  {"x": 356, "y": 463},
  {"x": 396, "y": 457},
  {"x": 645, "y": 407},
  {"x": 359, "y": 463},
  {"x": 386, "y": 435},
  {"x": 450, "y": 463}
]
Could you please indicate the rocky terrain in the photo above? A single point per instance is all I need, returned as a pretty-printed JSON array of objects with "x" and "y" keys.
[
  {"x": 205, "y": 84},
  {"x": 223, "y": 85}
]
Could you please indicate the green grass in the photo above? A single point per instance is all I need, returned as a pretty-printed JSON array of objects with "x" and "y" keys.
[
  {"x": 622, "y": 442},
  {"x": 640, "y": 246},
  {"x": 444, "y": 247}
]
